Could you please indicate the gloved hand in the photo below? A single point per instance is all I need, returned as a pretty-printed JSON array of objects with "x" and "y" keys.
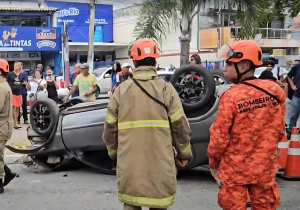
[
  {"x": 214, "y": 172},
  {"x": 182, "y": 163}
]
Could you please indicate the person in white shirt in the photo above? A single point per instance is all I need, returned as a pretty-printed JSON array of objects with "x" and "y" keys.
[
  {"x": 277, "y": 70},
  {"x": 35, "y": 84}
]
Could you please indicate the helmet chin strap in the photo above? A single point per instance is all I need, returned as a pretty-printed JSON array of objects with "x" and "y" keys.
[{"x": 239, "y": 75}]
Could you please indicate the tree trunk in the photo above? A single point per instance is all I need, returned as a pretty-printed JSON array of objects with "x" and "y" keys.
[
  {"x": 186, "y": 31},
  {"x": 184, "y": 53}
]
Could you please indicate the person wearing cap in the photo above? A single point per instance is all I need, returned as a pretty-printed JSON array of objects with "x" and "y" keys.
[
  {"x": 243, "y": 143},
  {"x": 6, "y": 123},
  {"x": 140, "y": 133},
  {"x": 123, "y": 75},
  {"x": 73, "y": 77},
  {"x": 86, "y": 83}
]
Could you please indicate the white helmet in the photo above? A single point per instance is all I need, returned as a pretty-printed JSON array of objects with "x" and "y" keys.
[{"x": 125, "y": 65}]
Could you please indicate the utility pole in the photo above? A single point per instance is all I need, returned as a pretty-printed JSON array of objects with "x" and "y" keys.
[
  {"x": 219, "y": 29},
  {"x": 91, "y": 35},
  {"x": 65, "y": 49}
]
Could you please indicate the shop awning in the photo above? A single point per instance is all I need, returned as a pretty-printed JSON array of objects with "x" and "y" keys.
[{"x": 22, "y": 9}]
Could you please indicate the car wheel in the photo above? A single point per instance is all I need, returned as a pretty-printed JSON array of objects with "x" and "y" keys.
[
  {"x": 97, "y": 93},
  {"x": 44, "y": 116},
  {"x": 219, "y": 77},
  {"x": 195, "y": 86}
]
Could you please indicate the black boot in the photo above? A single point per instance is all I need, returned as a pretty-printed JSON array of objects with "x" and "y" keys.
[
  {"x": 1, "y": 186},
  {"x": 9, "y": 175}
]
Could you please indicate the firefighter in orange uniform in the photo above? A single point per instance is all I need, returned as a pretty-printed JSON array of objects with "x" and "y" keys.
[
  {"x": 244, "y": 137},
  {"x": 139, "y": 130}
]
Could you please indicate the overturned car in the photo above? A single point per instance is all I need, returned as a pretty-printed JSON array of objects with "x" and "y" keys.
[{"x": 73, "y": 131}]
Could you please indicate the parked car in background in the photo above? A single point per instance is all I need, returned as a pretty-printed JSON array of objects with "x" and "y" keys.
[{"x": 103, "y": 76}]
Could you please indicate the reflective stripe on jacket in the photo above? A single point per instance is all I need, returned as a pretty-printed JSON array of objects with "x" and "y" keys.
[
  {"x": 6, "y": 119},
  {"x": 137, "y": 133}
]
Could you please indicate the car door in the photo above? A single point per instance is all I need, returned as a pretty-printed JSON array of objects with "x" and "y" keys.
[{"x": 105, "y": 81}]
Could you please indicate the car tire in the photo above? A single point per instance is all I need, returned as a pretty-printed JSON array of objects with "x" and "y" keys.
[
  {"x": 219, "y": 76},
  {"x": 47, "y": 120},
  {"x": 97, "y": 93},
  {"x": 209, "y": 84}
]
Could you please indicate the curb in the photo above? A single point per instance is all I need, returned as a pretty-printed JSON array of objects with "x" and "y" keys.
[{"x": 12, "y": 159}]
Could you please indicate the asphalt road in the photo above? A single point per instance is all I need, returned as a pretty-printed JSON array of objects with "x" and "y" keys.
[{"x": 86, "y": 189}]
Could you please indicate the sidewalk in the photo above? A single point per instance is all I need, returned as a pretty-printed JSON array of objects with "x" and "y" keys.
[{"x": 18, "y": 140}]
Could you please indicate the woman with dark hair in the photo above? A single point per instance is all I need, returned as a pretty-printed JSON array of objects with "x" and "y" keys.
[
  {"x": 115, "y": 69},
  {"x": 52, "y": 84},
  {"x": 195, "y": 60},
  {"x": 51, "y": 67}
]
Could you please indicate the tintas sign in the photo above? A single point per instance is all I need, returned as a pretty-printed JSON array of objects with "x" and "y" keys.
[{"x": 29, "y": 39}]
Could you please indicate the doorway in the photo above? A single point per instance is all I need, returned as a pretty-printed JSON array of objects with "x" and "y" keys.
[{"x": 83, "y": 58}]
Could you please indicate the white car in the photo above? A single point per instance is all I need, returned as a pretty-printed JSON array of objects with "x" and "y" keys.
[{"x": 103, "y": 76}]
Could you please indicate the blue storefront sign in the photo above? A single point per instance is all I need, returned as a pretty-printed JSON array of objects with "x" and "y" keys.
[
  {"x": 77, "y": 16},
  {"x": 24, "y": 38},
  {"x": 98, "y": 36}
]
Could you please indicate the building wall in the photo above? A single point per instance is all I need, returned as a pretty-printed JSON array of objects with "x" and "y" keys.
[
  {"x": 23, "y": 3},
  {"x": 124, "y": 24}
]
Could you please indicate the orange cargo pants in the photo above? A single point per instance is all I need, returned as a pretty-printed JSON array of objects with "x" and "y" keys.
[
  {"x": 130, "y": 207},
  {"x": 263, "y": 197}
]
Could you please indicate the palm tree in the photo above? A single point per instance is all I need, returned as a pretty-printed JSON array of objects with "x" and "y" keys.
[{"x": 158, "y": 17}]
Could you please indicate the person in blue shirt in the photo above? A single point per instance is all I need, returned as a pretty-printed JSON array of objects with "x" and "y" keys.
[
  {"x": 24, "y": 96},
  {"x": 210, "y": 66},
  {"x": 294, "y": 86},
  {"x": 73, "y": 77},
  {"x": 116, "y": 68}
]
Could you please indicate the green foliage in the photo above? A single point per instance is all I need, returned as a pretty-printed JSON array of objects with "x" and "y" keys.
[
  {"x": 289, "y": 63},
  {"x": 292, "y": 6},
  {"x": 156, "y": 18}
]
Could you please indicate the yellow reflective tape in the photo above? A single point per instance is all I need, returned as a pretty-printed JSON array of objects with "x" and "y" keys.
[
  {"x": 112, "y": 152},
  {"x": 153, "y": 202},
  {"x": 186, "y": 150},
  {"x": 177, "y": 115},
  {"x": 144, "y": 124},
  {"x": 141, "y": 75},
  {"x": 110, "y": 119},
  {"x": 145, "y": 76}
]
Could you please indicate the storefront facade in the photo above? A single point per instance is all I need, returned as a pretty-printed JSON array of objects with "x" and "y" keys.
[
  {"x": 31, "y": 45},
  {"x": 77, "y": 17}
]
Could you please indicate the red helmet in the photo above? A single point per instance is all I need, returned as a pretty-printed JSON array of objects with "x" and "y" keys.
[{"x": 4, "y": 65}]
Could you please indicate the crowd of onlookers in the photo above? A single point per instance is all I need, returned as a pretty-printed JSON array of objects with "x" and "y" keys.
[
  {"x": 290, "y": 84},
  {"x": 86, "y": 83},
  {"x": 20, "y": 83}
]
